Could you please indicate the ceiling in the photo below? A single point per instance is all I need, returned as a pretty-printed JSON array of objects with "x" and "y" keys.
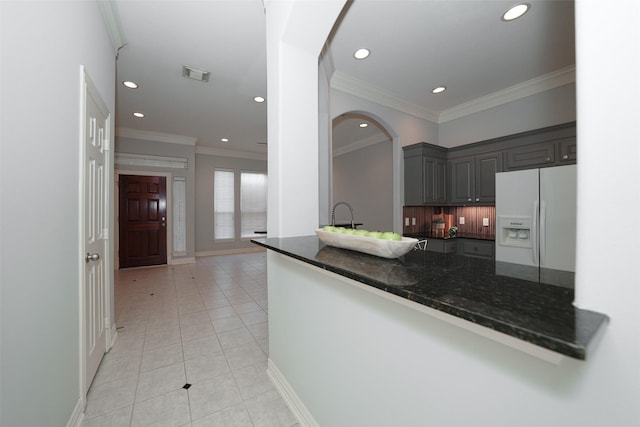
[{"x": 415, "y": 46}]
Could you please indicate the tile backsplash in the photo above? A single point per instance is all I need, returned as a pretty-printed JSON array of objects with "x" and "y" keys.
[{"x": 420, "y": 218}]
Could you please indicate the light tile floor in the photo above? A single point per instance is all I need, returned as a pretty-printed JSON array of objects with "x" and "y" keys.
[{"x": 203, "y": 324}]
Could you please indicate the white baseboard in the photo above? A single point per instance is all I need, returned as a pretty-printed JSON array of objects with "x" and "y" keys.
[
  {"x": 77, "y": 416},
  {"x": 231, "y": 251},
  {"x": 179, "y": 261},
  {"x": 299, "y": 410}
]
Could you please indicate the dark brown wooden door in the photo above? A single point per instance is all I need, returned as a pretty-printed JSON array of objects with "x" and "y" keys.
[{"x": 143, "y": 220}]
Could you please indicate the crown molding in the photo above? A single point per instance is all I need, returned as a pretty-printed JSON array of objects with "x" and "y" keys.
[
  {"x": 221, "y": 152},
  {"x": 155, "y": 136},
  {"x": 362, "y": 89},
  {"x": 359, "y": 144},
  {"x": 111, "y": 18},
  {"x": 521, "y": 90}
]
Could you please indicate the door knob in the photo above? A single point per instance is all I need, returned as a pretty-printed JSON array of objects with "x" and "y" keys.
[{"x": 91, "y": 257}]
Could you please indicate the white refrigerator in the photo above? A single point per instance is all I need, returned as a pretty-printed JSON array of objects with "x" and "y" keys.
[{"x": 536, "y": 217}]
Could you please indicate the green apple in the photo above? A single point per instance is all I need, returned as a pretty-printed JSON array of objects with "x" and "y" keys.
[
  {"x": 349, "y": 231},
  {"x": 360, "y": 232},
  {"x": 329, "y": 228},
  {"x": 340, "y": 229},
  {"x": 374, "y": 234},
  {"x": 390, "y": 235}
]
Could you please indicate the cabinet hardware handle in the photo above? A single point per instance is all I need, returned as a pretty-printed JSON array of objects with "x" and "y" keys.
[{"x": 565, "y": 157}]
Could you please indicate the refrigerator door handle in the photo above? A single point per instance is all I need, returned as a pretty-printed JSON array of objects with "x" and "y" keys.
[
  {"x": 543, "y": 232},
  {"x": 534, "y": 234}
]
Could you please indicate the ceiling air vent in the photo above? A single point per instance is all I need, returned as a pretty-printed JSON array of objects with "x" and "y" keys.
[{"x": 195, "y": 74}]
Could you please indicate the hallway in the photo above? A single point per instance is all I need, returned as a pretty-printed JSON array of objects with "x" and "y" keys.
[{"x": 191, "y": 350}]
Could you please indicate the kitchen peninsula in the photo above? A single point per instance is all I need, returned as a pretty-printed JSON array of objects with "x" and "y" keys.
[
  {"x": 349, "y": 332},
  {"x": 467, "y": 288}
]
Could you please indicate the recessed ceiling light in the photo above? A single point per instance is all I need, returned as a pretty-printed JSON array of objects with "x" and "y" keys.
[
  {"x": 138, "y": 115},
  {"x": 361, "y": 53},
  {"x": 258, "y": 99},
  {"x": 363, "y": 125},
  {"x": 439, "y": 89},
  {"x": 130, "y": 84},
  {"x": 225, "y": 140},
  {"x": 515, "y": 12}
]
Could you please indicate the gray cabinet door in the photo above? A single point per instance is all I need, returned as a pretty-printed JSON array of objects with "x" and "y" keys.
[
  {"x": 461, "y": 179},
  {"x": 429, "y": 184},
  {"x": 568, "y": 150},
  {"x": 531, "y": 156},
  {"x": 486, "y": 166},
  {"x": 440, "y": 181},
  {"x": 425, "y": 174},
  {"x": 434, "y": 180},
  {"x": 413, "y": 181}
]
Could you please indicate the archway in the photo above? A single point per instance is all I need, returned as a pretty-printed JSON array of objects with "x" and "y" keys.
[{"x": 363, "y": 170}]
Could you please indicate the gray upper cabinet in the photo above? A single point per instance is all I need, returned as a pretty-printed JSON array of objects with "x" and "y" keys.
[
  {"x": 435, "y": 172},
  {"x": 424, "y": 174},
  {"x": 531, "y": 156},
  {"x": 553, "y": 146},
  {"x": 487, "y": 165},
  {"x": 466, "y": 174},
  {"x": 472, "y": 179},
  {"x": 461, "y": 180},
  {"x": 568, "y": 150}
]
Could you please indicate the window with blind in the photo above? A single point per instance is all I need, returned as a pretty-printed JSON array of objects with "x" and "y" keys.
[
  {"x": 223, "y": 204},
  {"x": 253, "y": 203}
]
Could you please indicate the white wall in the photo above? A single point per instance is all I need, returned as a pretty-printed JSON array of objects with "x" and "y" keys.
[
  {"x": 459, "y": 378},
  {"x": 552, "y": 107},
  {"x": 608, "y": 50},
  {"x": 356, "y": 359},
  {"x": 43, "y": 46},
  {"x": 292, "y": 86}
]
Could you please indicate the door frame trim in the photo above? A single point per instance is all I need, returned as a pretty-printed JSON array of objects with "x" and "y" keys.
[{"x": 116, "y": 210}]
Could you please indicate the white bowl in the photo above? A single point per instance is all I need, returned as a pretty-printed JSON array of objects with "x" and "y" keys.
[{"x": 368, "y": 245}]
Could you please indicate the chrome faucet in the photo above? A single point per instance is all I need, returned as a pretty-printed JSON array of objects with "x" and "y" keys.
[{"x": 333, "y": 213}]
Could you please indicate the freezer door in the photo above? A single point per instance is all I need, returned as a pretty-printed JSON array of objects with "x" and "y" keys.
[
  {"x": 558, "y": 217},
  {"x": 516, "y": 196}
]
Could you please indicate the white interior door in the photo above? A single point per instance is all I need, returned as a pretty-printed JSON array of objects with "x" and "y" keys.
[{"x": 96, "y": 142}]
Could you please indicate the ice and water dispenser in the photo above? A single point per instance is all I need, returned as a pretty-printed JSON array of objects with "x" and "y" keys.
[{"x": 515, "y": 231}]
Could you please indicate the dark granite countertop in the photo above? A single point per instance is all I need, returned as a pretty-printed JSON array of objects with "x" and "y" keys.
[{"x": 485, "y": 292}]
